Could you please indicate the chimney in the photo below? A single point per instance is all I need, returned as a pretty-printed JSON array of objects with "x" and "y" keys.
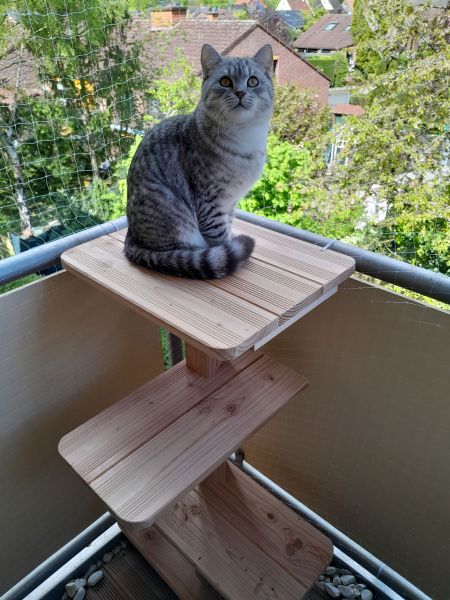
[{"x": 168, "y": 17}]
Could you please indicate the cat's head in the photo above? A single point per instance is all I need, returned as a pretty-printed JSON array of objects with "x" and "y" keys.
[{"x": 237, "y": 89}]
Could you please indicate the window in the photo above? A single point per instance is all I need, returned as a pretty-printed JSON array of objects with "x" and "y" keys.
[
  {"x": 275, "y": 62},
  {"x": 329, "y": 27}
]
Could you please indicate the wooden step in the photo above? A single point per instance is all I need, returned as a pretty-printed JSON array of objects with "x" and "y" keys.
[
  {"x": 226, "y": 317},
  {"x": 240, "y": 538},
  {"x": 151, "y": 448}
]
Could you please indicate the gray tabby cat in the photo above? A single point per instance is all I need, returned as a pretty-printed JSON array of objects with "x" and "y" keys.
[{"x": 190, "y": 171}]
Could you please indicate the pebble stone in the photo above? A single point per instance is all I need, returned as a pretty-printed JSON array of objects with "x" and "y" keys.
[
  {"x": 99, "y": 564},
  {"x": 80, "y": 594},
  {"x": 95, "y": 578},
  {"x": 332, "y": 590},
  {"x": 73, "y": 586},
  {"x": 341, "y": 583},
  {"x": 65, "y": 596},
  {"x": 107, "y": 557},
  {"x": 346, "y": 591},
  {"x": 92, "y": 569},
  {"x": 116, "y": 549},
  {"x": 123, "y": 543}
]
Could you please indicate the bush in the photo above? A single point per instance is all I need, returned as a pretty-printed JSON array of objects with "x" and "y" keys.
[{"x": 334, "y": 66}]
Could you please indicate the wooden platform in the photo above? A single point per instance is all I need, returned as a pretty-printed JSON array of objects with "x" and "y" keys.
[
  {"x": 149, "y": 449},
  {"x": 243, "y": 541},
  {"x": 223, "y": 318}
]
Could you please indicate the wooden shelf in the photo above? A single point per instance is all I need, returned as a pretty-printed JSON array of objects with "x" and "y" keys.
[
  {"x": 242, "y": 540},
  {"x": 222, "y": 318},
  {"x": 152, "y": 447}
]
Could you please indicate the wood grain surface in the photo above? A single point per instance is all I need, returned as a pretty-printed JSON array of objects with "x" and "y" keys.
[
  {"x": 142, "y": 454},
  {"x": 242, "y": 540},
  {"x": 223, "y": 318}
]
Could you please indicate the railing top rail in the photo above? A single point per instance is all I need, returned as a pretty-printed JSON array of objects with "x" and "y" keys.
[{"x": 425, "y": 282}]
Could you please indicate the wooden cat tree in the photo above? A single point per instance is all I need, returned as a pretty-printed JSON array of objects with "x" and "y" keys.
[{"x": 158, "y": 458}]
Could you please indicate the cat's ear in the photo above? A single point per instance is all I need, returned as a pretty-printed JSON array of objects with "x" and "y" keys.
[
  {"x": 210, "y": 58},
  {"x": 264, "y": 58}
]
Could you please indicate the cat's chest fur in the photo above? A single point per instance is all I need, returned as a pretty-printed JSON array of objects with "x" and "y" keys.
[{"x": 241, "y": 166}]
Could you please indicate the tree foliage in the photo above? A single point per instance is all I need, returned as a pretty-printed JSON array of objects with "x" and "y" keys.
[
  {"x": 392, "y": 35},
  {"x": 300, "y": 119},
  {"x": 396, "y": 156},
  {"x": 176, "y": 90},
  {"x": 334, "y": 66},
  {"x": 55, "y": 145}
]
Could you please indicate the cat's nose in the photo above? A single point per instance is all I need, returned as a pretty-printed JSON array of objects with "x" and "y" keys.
[{"x": 240, "y": 94}]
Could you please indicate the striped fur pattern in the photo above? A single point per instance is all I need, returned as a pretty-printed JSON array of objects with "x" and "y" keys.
[{"x": 190, "y": 171}]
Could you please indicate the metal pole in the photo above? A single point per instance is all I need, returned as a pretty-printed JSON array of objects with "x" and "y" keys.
[
  {"x": 425, "y": 282},
  {"x": 46, "y": 255}
]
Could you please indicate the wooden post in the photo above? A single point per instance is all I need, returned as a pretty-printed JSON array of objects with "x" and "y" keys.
[{"x": 201, "y": 363}]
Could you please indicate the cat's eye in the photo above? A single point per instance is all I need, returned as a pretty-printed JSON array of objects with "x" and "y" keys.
[
  {"x": 252, "y": 82},
  {"x": 226, "y": 82}
]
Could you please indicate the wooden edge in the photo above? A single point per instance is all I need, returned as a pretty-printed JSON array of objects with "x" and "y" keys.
[
  {"x": 176, "y": 570},
  {"x": 219, "y": 353}
]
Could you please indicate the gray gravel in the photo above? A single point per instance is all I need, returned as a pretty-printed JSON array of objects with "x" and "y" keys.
[
  {"x": 332, "y": 590},
  {"x": 80, "y": 594},
  {"x": 342, "y": 583},
  {"x": 107, "y": 557},
  {"x": 95, "y": 578}
]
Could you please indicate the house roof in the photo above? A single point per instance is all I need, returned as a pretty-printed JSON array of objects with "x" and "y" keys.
[
  {"x": 158, "y": 47},
  {"x": 348, "y": 109},
  {"x": 292, "y": 18},
  {"x": 317, "y": 38},
  {"x": 224, "y": 35}
]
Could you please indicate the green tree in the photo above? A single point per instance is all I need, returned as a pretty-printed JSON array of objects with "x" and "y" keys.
[
  {"x": 54, "y": 146},
  {"x": 285, "y": 185},
  {"x": 334, "y": 66},
  {"x": 175, "y": 91},
  {"x": 389, "y": 35},
  {"x": 300, "y": 119},
  {"x": 395, "y": 156}
]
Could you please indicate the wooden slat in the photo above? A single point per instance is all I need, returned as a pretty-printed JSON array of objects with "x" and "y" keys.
[
  {"x": 290, "y": 243},
  {"x": 271, "y": 288},
  {"x": 142, "y": 480},
  {"x": 110, "y": 436},
  {"x": 195, "y": 310},
  {"x": 286, "y": 538},
  {"x": 176, "y": 570},
  {"x": 298, "y": 257},
  {"x": 266, "y": 286},
  {"x": 243, "y": 541}
]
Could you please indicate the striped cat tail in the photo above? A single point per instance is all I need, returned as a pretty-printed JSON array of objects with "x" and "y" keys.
[{"x": 194, "y": 263}]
